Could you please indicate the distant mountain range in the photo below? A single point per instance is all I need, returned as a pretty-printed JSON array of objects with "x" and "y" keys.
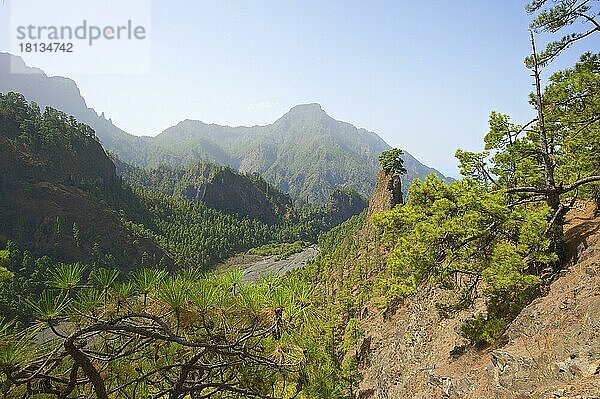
[
  {"x": 306, "y": 153},
  {"x": 62, "y": 196}
]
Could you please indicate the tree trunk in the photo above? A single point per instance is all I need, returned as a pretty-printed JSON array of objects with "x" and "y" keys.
[{"x": 553, "y": 195}]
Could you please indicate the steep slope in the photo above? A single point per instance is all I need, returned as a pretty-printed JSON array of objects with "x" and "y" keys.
[
  {"x": 411, "y": 347},
  {"x": 305, "y": 153},
  {"x": 551, "y": 350},
  {"x": 217, "y": 187},
  {"x": 53, "y": 172},
  {"x": 60, "y": 196}
]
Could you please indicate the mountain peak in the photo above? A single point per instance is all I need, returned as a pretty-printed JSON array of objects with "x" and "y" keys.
[
  {"x": 307, "y": 109},
  {"x": 303, "y": 112}
]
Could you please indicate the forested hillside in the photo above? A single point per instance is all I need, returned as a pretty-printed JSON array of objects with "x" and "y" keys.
[
  {"x": 305, "y": 153},
  {"x": 53, "y": 173},
  {"x": 61, "y": 198},
  {"x": 218, "y": 187},
  {"x": 483, "y": 287}
]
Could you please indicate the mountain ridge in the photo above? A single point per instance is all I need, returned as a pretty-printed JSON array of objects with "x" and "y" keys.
[
  {"x": 305, "y": 152},
  {"x": 304, "y": 135},
  {"x": 62, "y": 196},
  {"x": 218, "y": 187}
]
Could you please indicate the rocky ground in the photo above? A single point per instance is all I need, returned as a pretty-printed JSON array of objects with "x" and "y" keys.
[
  {"x": 256, "y": 266},
  {"x": 552, "y": 349}
]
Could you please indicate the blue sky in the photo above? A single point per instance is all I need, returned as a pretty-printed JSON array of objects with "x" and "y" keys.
[{"x": 424, "y": 75}]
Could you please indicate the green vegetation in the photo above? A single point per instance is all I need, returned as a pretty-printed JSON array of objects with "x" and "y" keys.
[
  {"x": 462, "y": 237},
  {"x": 344, "y": 283},
  {"x": 5, "y": 274},
  {"x": 185, "y": 334},
  {"x": 553, "y": 158},
  {"x": 41, "y": 130},
  {"x": 282, "y": 250},
  {"x": 24, "y": 279},
  {"x": 196, "y": 235},
  {"x": 193, "y": 234},
  {"x": 144, "y": 318},
  {"x": 552, "y": 17},
  {"x": 217, "y": 187},
  {"x": 391, "y": 162}
]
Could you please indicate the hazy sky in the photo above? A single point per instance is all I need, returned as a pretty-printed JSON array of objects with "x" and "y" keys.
[{"x": 423, "y": 74}]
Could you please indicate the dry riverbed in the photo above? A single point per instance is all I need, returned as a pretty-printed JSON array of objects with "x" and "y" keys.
[{"x": 256, "y": 266}]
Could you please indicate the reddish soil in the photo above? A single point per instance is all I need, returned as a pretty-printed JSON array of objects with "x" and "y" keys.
[{"x": 551, "y": 350}]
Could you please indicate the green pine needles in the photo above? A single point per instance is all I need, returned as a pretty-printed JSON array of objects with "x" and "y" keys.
[
  {"x": 183, "y": 334},
  {"x": 461, "y": 236},
  {"x": 391, "y": 161}
]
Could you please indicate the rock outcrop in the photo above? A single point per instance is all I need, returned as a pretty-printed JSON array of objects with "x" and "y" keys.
[
  {"x": 230, "y": 192},
  {"x": 386, "y": 195}
]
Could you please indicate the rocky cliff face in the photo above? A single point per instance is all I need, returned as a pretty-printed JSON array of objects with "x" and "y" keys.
[
  {"x": 551, "y": 350},
  {"x": 387, "y": 193},
  {"x": 225, "y": 190}
]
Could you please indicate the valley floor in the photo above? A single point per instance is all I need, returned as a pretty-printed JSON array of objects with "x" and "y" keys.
[{"x": 257, "y": 266}]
